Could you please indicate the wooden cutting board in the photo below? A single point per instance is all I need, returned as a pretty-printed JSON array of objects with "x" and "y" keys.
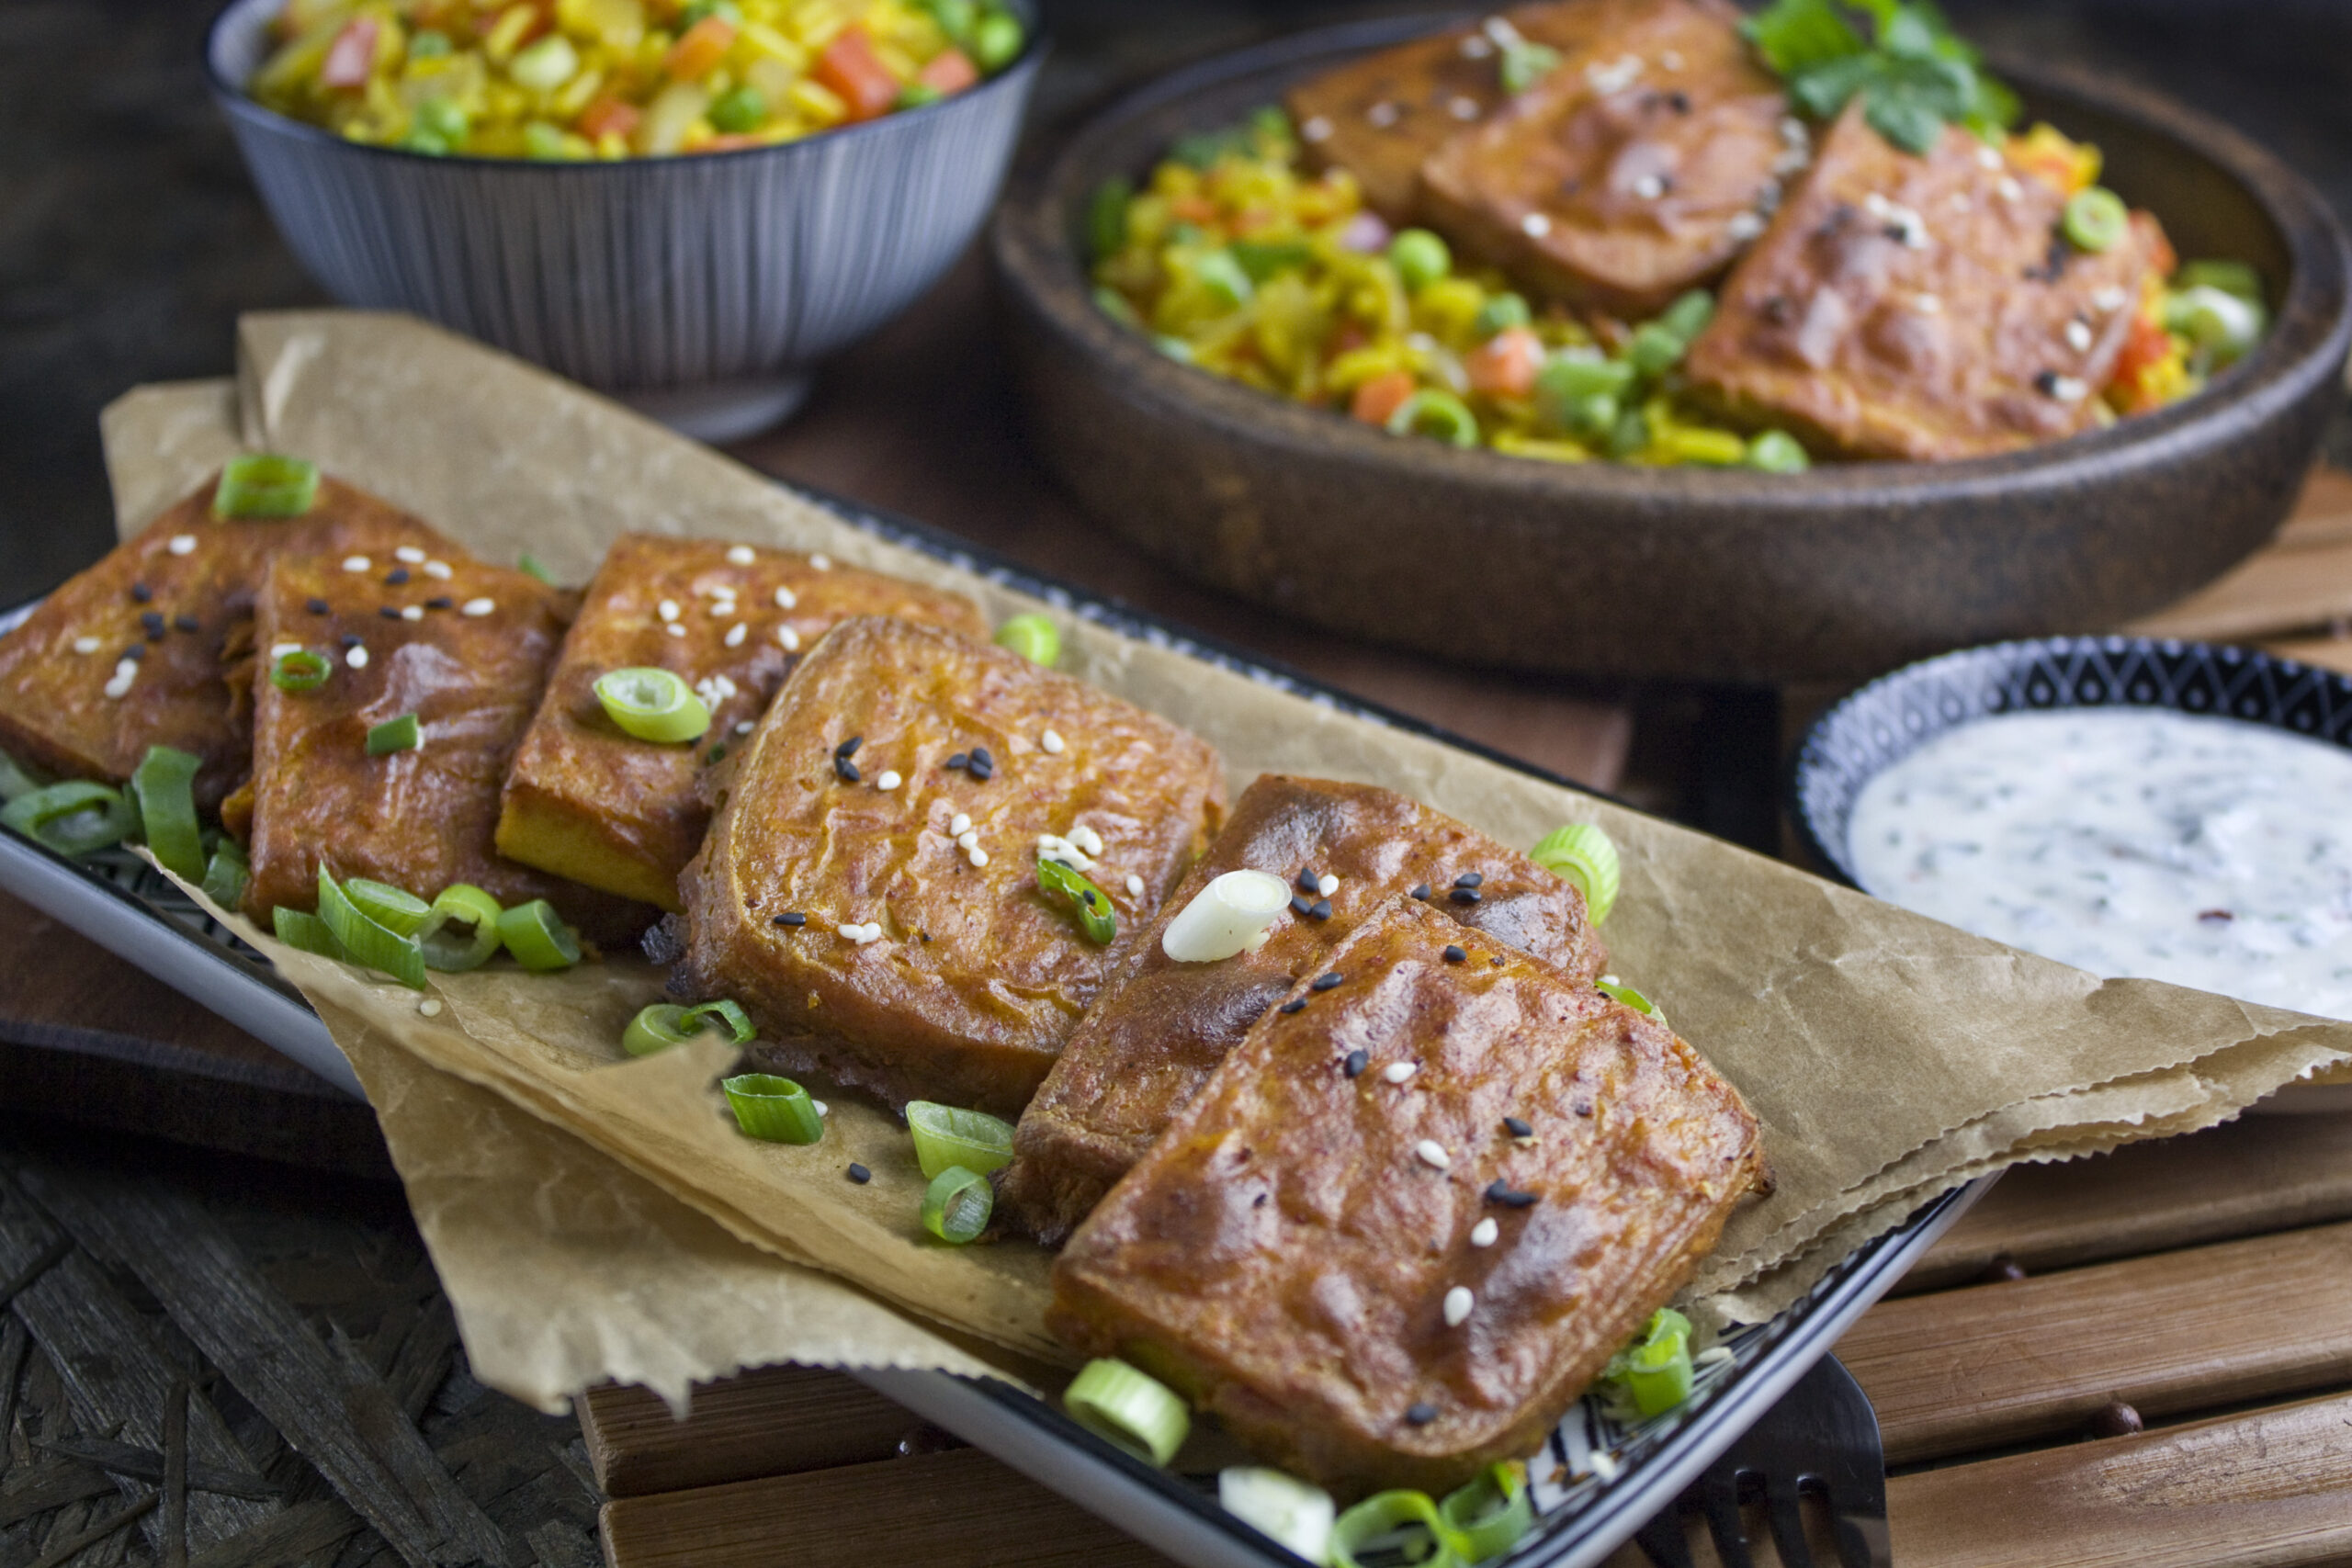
[{"x": 2293, "y": 597}]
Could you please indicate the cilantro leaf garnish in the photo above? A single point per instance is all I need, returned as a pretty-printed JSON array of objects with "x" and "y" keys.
[{"x": 1913, "y": 74}]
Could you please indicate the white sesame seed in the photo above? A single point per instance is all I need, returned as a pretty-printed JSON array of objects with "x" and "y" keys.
[
  {"x": 1615, "y": 76},
  {"x": 742, "y": 726},
  {"x": 85, "y": 645},
  {"x": 2009, "y": 188},
  {"x": 1431, "y": 1153},
  {"x": 409, "y": 554},
  {"x": 125, "y": 671},
  {"x": 438, "y": 569},
  {"x": 977, "y": 857},
  {"x": 2078, "y": 336},
  {"x": 1743, "y": 226},
  {"x": 819, "y": 1107},
  {"x": 890, "y": 780},
  {"x": 1315, "y": 130},
  {"x": 737, "y": 633},
  {"x": 357, "y": 656},
  {"x": 182, "y": 545},
  {"x": 960, "y": 823},
  {"x": 1604, "y": 1465},
  {"x": 1086, "y": 839},
  {"x": 1384, "y": 114},
  {"x": 1135, "y": 885},
  {"x": 411, "y": 611},
  {"x": 1712, "y": 1356},
  {"x": 790, "y": 639},
  {"x": 430, "y": 1007},
  {"x": 1399, "y": 1072},
  {"x": 1988, "y": 159},
  {"x": 1327, "y": 884},
  {"x": 1536, "y": 225},
  {"x": 674, "y": 629},
  {"x": 1477, "y": 47},
  {"x": 1051, "y": 742},
  {"x": 478, "y": 608},
  {"x": 969, "y": 838},
  {"x": 1928, "y": 304},
  {"x": 1483, "y": 1233},
  {"x": 822, "y": 562},
  {"x": 1463, "y": 109},
  {"x": 720, "y": 608},
  {"x": 1458, "y": 1303},
  {"x": 357, "y": 563},
  {"x": 1671, "y": 60},
  {"x": 785, "y": 599},
  {"x": 1649, "y": 187},
  {"x": 2109, "y": 297},
  {"x": 738, "y": 554},
  {"x": 667, "y": 609}
]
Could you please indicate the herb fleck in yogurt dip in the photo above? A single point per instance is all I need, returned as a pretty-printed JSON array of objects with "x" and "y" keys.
[{"x": 2130, "y": 842}]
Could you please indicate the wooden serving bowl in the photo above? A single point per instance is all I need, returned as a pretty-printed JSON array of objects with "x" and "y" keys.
[{"x": 1686, "y": 572}]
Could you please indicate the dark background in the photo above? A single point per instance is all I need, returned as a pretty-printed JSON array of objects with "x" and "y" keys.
[{"x": 130, "y": 238}]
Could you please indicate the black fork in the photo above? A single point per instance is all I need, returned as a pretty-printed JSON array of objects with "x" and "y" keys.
[{"x": 1821, "y": 1437}]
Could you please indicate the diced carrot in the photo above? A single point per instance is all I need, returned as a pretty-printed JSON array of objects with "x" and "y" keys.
[
  {"x": 2147, "y": 346},
  {"x": 949, "y": 72},
  {"x": 352, "y": 56},
  {"x": 1382, "y": 396},
  {"x": 855, "y": 74},
  {"x": 608, "y": 117},
  {"x": 1194, "y": 209},
  {"x": 699, "y": 50},
  {"x": 1505, "y": 365}
]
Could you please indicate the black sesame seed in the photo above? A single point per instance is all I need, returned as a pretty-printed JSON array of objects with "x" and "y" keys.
[
  {"x": 349, "y": 640},
  {"x": 849, "y": 747},
  {"x": 153, "y": 623},
  {"x": 1325, "y": 981},
  {"x": 1463, "y": 895},
  {"x": 955, "y": 762},
  {"x": 979, "y": 770},
  {"x": 1308, "y": 882},
  {"x": 980, "y": 758},
  {"x": 845, "y": 770},
  {"x": 1423, "y": 891},
  {"x": 1320, "y": 909},
  {"x": 1498, "y": 960},
  {"x": 792, "y": 918},
  {"x": 1508, "y": 1197},
  {"x": 390, "y": 612},
  {"x": 924, "y": 935},
  {"x": 2046, "y": 383},
  {"x": 136, "y": 651},
  {"x": 1469, "y": 879},
  {"x": 396, "y": 578},
  {"x": 1454, "y": 954},
  {"x": 440, "y": 601},
  {"x": 1518, "y": 1126},
  {"x": 1678, "y": 102},
  {"x": 1420, "y": 1413},
  {"x": 186, "y": 623},
  {"x": 1582, "y": 1107},
  {"x": 1356, "y": 1063},
  {"x": 316, "y": 606},
  {"x": 1291, "y": 1006},
  {"x": 1300, "y": 907},
  {"x": 860, "y": 1175},
  {"x": 141, "y": 593}
]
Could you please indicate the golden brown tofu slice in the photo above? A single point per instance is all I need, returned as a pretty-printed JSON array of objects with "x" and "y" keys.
[
  {"x": 869, "y": 890},
  {"x": 1148, "y": 1047},
  {"x": 588, "y": 801},
  {"x": 133, "y": 652},
  {"x": 468, "y": 654},
  {"x": 1921, "y": 307},
  {"x": 1381, "y": 116},
  {"x": 1634, "y": 172},
  {"x": 1302, "y": 1256}
]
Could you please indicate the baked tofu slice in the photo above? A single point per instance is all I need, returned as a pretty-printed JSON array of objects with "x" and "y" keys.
[
  {"x": 1634, "y": 171},
  {"x": 1148, "y": 1047},
  {"x": 1380, "y": 116},
  {"x": 1921, "y": 307},
  {"x": 586, "y": 801},
  {"x": 1288, "y": 1257},
  {"x": 468, "y": 654},
  {"x": 868, "y": 890},
  {"x": 133, "y": 652}
]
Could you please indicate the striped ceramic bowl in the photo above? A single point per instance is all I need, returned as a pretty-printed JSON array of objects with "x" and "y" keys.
[{"x": 701, "y": 289}]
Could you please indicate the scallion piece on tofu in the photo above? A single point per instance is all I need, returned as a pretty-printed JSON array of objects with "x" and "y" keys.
[
  {"x": 729, "y": 1017},
  {"x": 2096, "y": 219},
  {"x": 264, "y": 484},
  {"x": 949, "y": 1136},
  {"x": 1653, "y": 1372},
  {"x": 164, "y": 785},
  {"x": 401, "y": 913},
  {"x": 773, "y": 1109},
  {"x": 956, "y": 1205},
  {"x": 1032, "y": 637},
  {"x": 1584, "y": 854},
  {"x": 538, "y": 937},
  {"x": 652, "y": 704},
  {"x": 1439, "y": 415},
  {"x": 366, "y": 942},
  {"x": 531, "y": 564},
  {"x": 1386, "y": 1514},
  {"x": 1286, "y": 1510},
  {"x": 656, "y": 1028},
  {"x": 462, "y": 931},
  {"x": 1129, "y": 1410},
  {"x": 226, "y": 873},
  {"x": 1489, "y": 1513},
  {"x": 1618, "y": 990},
  {"x": 394, "y": 735},
  {"x": 72, "y": 819},
  {"x": 1096, "y": 918},
  {"x": 306, "y": 933},
  {"x": 1777, "y": 452},
  {"x": 299, "y": 670}
]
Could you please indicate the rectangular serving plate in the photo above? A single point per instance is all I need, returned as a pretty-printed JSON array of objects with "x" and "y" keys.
[{"x": 126, "y": 907}]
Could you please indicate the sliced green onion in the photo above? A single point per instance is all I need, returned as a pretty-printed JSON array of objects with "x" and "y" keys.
[
  {"x": 1565, "y": 377},
  {"x": 652, "y": 704},
  {"x": 1586, "y": 856},
  {"x": 2229, "y": 277},
  {"x": 951, "y": 1136},
  {"x": 461, "y": 905},
  {"x": 1383, "y": 1515},
  {"x": 164, "y": 785},
  {"x": 1292, "y": 1513},
  {"x": 1106, "y": 216},
  {"x": 299, "y": 670},
  {"x": 429, "y": 44},
  {"x": 528, "y": 563},
  {"x": 1777, "y": 452},
  {"x": 1095, "y": 915},
  {"x": 72, "y": 819},
  {"x": 370, "y": 945},
  {"x": 956, "y": 1205},
  {"x": 2096, "y": 219},
  {"x": 1630, "y": 434},
  {"x": 739, "y": 1026},
  {"x": 657, "y": 1028},
  {"x": 1655, "y": 348},
  {"x": 2222, "y": 324},
  {"x": 1689, "y": 315},
  {"x": 1524, "y": 64},
  {"x": 14, "y": 780},
  {"x": 1439, "y": 415},
  {"x": 1488, "y": 1514},
  {"x": 226, "y": 873},
  {"x": 1419, "y": 257},
  {"x": 774, "y": 1110},
  {"x": 996, "y": 41},
  {"x": 1627, "y": 994},
  {"x": 401, "y": 734},
  {"x": 538, "y": 937},
  {"x": 1129, "y": 1410},
  {"x": 401, "y": 913},
  {"x": 262, "y": 484},
  {"x": 1222, "y": 277},
  {"x": 306, "y": 933},
  {"x": 1653, "y": 1372},
  {"x": 550, "y": 62},
  {"x": 1033, "y": 637},
  {"x": 742, "y": 108},
  {"x": 1500, "y": 312},
  {"x": 1264, "y": 259}
]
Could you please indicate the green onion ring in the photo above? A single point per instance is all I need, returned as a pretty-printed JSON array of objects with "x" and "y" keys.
[
  {"x": 401, "y": 734},
  {"x": 369, "y": 944},
  {"x": 2096, "y": 219},
  {"x": 1283, "y": 1507},
  {"x": 951, "y": 1136},
  {"x": 1129, "y": 1410},
  {"x": 1093, "y": 906},
  {"x": 657, "y": 1027},
  {"x": 226, "y": 873},
  {"x": 1383, "y": 1513},
  {"x": 773, "y": 1109},
  {"x": 262, "y": 484},
  {"x": 306, "y": 933},
  {"x": 538, "y": 937},
  {"x": 1656, "y": 1369},
  {"x": 956, "y": 1205},
  {"x": 1582, "y": 853},
  {"x": 739, "y": 1025},
  {"x": 1630, "y": 997},
  {"x": 652, "y": 704},
  {"x": 1032, "y": 637},
  {"x": 398, "y": 912},
  {"x": 299, "y": 670},
  {"x": 1439, "y": 415},
  {"x": 59, "y": 817},
  {"x": 1489, "y": 1513},
  {"x": 14, "y": 780},
  {"x": 460, "y": 904},
  {"x": 163, "y": 786}
]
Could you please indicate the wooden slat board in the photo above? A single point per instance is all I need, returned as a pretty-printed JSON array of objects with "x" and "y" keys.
[{"x": 731, "y": 1432}]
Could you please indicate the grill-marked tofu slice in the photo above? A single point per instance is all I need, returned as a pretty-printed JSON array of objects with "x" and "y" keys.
[
  {"x": 1145, "y": 1049},
  {"x": 585, "y": 800},
  {"x": 1633, "y": 172},
  {"x": 134, "y": 652},
  {"x": 929, "y": 963},
  {"x": 468, "y": 654},
  {"x": 1921, "y": 307},
  {"x": 1288, "y": 1257}
]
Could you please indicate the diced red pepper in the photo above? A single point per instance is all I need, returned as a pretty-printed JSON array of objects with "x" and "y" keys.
[
  {"x": 1192, "y": 208},
  {"x": 608, "y": 115},
  {"x": 856, "y": 75},
  {"x": 351, "y": 58},
  {"x": 2145, "y": 347},
  {"x": 1382, "y": 396},
  {"x": 949, "y": 72},
  {"x": 1505, "y": 365},
  {"x": 699, "y": 50}
]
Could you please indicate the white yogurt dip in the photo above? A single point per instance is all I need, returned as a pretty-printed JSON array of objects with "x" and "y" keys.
[{"x": 2130, "y": 842}]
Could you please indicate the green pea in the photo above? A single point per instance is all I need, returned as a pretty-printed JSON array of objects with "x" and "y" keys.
[
  {"x": 1419, "y": 257},
  {"x": 1032, "y": 637},
  {"x": 956, "y": 18},
  {"x": 1689, "y": 315},
  {"x": 1629, "y": 435},
  {"x": 429, "y": 45},
  {"x": 1566, "y": 378},
  {"x": 725, "y": 10},
  {"x": 1594, "y": 415},
  {"x": 442, "y": 119},
  {"x": 1655, "y": 348},
  {"x": 543, "y": 140},
  {"x": 996, "y": 41},
  {"x": 1499, "y": 313},
  {"x": 419, "y": 140},
  {"x": 1777, "y": 452},
  {"x": 914, "y": 95},
  {"x": 739, "y": 110}
]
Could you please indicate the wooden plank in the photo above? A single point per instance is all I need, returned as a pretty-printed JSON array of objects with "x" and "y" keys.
[
  {"x": 2244, "y": 1177},
  {"x": 769, "y": 1421},
  {"x": 2276, "y": 591},
  {"x": 956, "y": 1510},
  {"x": 2328, "y": 652},
  {"x": 2263, "y": 1490},
  {"x": 1997, "y": 1364}
]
